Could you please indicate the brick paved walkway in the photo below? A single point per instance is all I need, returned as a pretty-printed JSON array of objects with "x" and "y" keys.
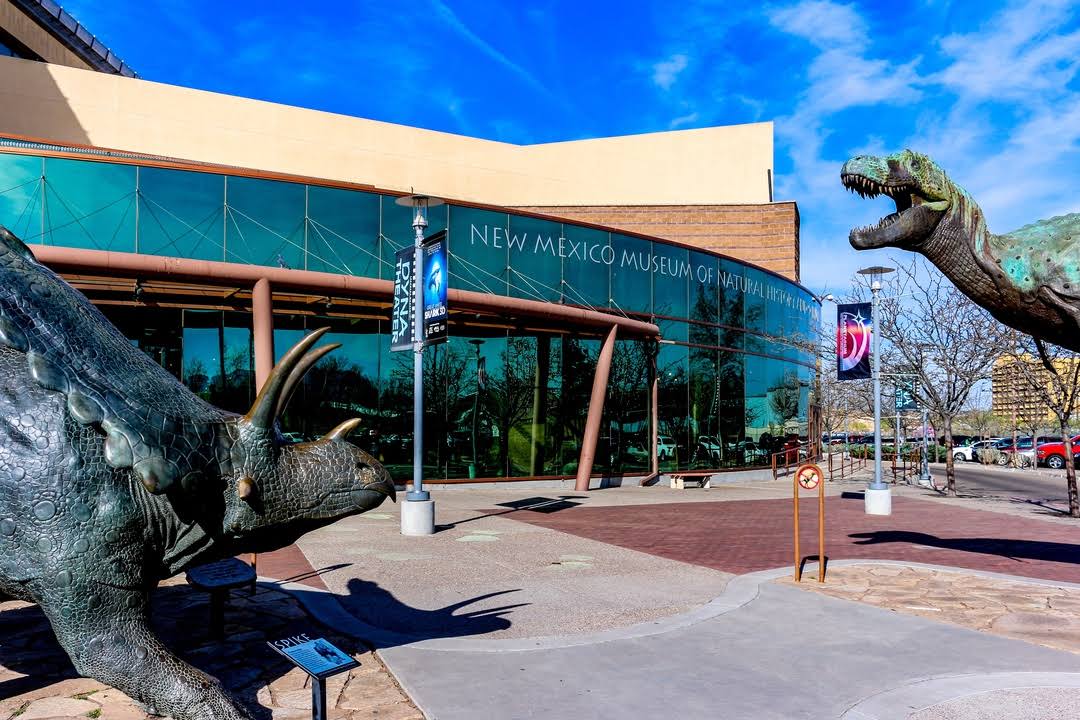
[{"x": 750, "y": 535}]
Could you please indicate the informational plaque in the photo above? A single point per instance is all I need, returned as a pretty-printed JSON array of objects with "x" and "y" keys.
[{"x": 318, "y": 657}]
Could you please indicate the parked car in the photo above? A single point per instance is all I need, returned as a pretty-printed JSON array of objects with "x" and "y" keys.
[
  {"x": 1052, "y": 454},
  {"x": 665, "y": 447},
  {"x": 1005, "y": 450},
  {"x": 985, "y": 451}
]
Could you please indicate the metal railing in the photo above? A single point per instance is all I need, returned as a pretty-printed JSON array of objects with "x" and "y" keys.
[{"x": 843, "y": 464}]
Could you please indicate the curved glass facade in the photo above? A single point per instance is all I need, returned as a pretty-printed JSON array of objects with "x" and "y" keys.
[{"x": 733, "y": 369}]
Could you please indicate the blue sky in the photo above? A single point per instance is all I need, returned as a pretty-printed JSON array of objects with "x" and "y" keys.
[{"x": 989, "y": 89}]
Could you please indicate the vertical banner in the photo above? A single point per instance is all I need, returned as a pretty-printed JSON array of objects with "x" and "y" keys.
[
  {"x": 905, "y": 395},
  {"x": 401, "y": 318},
  {"x": 435, "y": 278},
  {"x": 853, "y": 330}
]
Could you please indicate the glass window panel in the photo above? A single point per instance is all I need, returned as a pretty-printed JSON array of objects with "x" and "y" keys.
[
  {"x": 90, "y": 205},
  {"x": 575, "y": 367},
  {"x": 341, "y": 386},
  {"x": 671, "y": 278},
  {"x": 631, "y": 274},
  {"x": 265, "y": 222},
  {"x": 481, "y": 401},
  {"x": 535, "y": 249},
  {"x": 20, "y": 196},
  {"x": 731, "y": 303},
  {"x": 180, "y": 214},
  {"x": 705, "y": 446},
  {"x": 517, "y": 409},
  {"x": 731, "y": 415},
  {"x": 587, "y": 265},
  {"x": 478, "y": 249},
  {"x": 672, "y": 367},
  {"x": 218, "y": 362},
  {"x": 625, "y": 440},
  {"x": 343, "y": 231},
  {"x": 704, "y": 297}
]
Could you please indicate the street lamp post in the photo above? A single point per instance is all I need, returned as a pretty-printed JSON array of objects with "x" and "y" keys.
[
  {"x": 418, "y": 509},
  {"x": 878, "y": 499}
]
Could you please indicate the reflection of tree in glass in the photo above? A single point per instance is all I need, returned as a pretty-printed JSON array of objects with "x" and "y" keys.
[
  {"x": 334, "y": 391},
  {"x": 196, "y": 377},
  {"x": 509, "y": 396},
  {"x": 784, "y": 399},
  {"x": 626, "y": 408},
  {"x": 573, "y": 369}
]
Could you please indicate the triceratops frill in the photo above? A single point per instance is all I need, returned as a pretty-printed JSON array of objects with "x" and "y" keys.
[{"x": 113, "y": 475}]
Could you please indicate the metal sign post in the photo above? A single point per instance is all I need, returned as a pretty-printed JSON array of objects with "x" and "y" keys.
[
  {"x": 808, "y": 477},
  {"x": 418, "y": 509}
]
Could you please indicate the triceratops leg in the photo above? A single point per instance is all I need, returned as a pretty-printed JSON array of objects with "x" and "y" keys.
[{"x": 105, "y": 632}]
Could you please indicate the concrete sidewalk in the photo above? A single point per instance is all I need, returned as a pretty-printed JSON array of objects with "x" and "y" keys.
[
  {"x": 785, "y": 654},
  {"x": 611, "y": 613}
]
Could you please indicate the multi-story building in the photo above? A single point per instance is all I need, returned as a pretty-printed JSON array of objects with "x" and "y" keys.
[{"x": 1021, "y": 386}]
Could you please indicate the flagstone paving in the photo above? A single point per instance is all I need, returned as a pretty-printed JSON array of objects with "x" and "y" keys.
[
  {"x": 37, "y": 680},
  {"x": 1043, "y": 614}
]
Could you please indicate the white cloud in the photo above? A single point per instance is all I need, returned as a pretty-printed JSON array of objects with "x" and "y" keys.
[
  {"x": 452, "y": 21},
  {"x": 666, "y": 72},
  {"x": 825, "y": 24},
  {"x": 682, "y": 120}
]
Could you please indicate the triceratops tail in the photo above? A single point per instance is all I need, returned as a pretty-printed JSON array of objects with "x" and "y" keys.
[{"x": 13, "y": 244}]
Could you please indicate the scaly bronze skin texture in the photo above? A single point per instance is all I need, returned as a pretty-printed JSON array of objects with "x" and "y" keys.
[
  {"x": 113, "y": 476},
  {"x": 1028, "y": 279}
]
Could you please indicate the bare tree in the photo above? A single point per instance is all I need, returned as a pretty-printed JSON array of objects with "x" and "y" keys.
[
  {"x": 939, "y": 334},
  {"x": 1052, "y": 375}
]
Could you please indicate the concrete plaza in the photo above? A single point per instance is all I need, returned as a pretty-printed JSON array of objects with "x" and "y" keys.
[{"x": 646, "y": 602}]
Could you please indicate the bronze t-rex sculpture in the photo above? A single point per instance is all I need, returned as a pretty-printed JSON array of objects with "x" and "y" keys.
[
  {"x": 1028, "y": 279},
  {"x": 113, "y": 475}
]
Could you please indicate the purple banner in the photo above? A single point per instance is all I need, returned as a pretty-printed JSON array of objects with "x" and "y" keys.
[{"x": 853, "y": 332}]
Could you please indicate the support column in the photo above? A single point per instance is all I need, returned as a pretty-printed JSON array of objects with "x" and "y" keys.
[
  {"x": 262, "y": 325},
  {"x": 539, "y": 413},
  {"x": 596, "y": 411}
]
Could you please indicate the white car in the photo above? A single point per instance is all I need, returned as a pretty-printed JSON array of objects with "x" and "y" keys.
[
  {"x": 967, "y": 453},
  {"x": 665, "y": 447}
]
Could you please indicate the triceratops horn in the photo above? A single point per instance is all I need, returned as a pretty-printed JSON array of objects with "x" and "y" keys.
[
  {"x": 299, "y": 372},
  {"x": 263, "y": 413},
  {"x": 342, "y": 431}
]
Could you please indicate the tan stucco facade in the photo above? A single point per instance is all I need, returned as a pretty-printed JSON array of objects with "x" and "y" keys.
[
  {"x": 712, "y": 165},
  {"x": 708, "y": 187},
  {"x": 33, "y": 36}
]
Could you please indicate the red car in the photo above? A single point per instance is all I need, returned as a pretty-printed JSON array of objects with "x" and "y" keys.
[{"x": 1053, "y": 454}]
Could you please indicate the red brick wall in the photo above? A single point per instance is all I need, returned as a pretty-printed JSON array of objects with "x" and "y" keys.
[{"x": 765, "y": 235}]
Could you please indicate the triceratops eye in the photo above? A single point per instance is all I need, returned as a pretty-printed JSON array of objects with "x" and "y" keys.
[{"x": 245, "y": 488}]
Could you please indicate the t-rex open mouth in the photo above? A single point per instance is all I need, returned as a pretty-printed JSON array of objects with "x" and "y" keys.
[{"x": 914, "y": 219}]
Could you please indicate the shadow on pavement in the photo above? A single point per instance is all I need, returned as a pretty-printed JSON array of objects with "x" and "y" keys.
[
  {"x": 544, "y": 505},
  {"x": 243, "y": 662},
  {"x": 1002, "y": 547},
  {"x": 376, "y": 606}
]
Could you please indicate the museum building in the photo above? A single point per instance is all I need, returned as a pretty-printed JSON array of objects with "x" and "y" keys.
[{"x": 618, "y": 307}]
